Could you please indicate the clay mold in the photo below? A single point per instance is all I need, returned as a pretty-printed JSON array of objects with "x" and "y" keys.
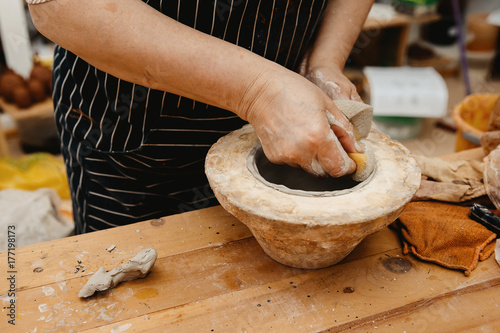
[{"x": 310, "y": 227}]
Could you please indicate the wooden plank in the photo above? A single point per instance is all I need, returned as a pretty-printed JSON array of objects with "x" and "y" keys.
[
  {"x": 316, "y": 300},
  {"x": 475, "y": 308},
  {"x": 178, "y": 279},
  {"x": 402, "y": 46},
  {"x": 78, "y": 256},
  {"x": 229, "y": 281},
  {"x": 212, "y": 275}
]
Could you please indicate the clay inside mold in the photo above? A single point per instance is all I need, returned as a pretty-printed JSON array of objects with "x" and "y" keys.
[{"x": 296, "y": 181}]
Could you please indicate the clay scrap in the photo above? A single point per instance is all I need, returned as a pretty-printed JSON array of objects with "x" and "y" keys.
[{"x": 137, "y": 267}]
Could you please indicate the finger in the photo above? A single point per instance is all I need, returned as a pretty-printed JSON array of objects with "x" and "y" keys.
[
  {"x": 302, "y": 70},
  {"x": 315, "y": 168},
  {"x": 295, "y": 157},
  {"x": 274, "y": 156},
  {"x": 334, "y": 160},
  {"x": 341, "y": 89},
  {"x": 347, "y": 91},
  {"x": 343, "y": 129},
  {"x": 350, "y": 90},
  {"x": 334, "y": 91},
  {"x": 355, "y": 96},
  {"x": 304, "y": 64}
]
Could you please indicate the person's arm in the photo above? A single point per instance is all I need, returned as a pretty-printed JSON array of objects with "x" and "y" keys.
[
  {"x": 326, "y": 58},
  {"x": 133, "y": 41}
]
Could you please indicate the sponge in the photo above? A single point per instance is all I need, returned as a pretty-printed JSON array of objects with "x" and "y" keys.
[
  {"x": 360, "y": 115},
  {"x": 365, "y": 163}
]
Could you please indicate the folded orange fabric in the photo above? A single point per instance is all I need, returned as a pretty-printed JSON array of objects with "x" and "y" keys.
[{"x": 444, "y": 234}]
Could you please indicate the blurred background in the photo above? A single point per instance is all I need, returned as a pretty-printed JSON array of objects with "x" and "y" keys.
[{"x": 418, "y": 62}]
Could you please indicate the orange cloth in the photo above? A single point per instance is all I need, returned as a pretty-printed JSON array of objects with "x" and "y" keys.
[{"x": 444, "y": 234}]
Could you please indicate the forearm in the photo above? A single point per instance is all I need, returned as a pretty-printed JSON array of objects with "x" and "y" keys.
[
  {"x": 339, "y": 30},
  {"x": 134, "y": 42}
]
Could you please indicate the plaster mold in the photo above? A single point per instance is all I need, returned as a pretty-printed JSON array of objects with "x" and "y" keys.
[{"x": 309, "y": 227}]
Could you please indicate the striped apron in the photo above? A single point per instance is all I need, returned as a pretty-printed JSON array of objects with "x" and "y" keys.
[{"x": 133, "y": 153}]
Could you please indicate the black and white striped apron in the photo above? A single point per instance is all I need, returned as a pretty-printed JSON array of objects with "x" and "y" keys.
[{"x": 133, "y": 153}]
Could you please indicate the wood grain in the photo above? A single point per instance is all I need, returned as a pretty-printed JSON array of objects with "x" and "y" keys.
[
  {"x": 343, "y": 297},
  {"x": 78, "y": 256},
  {"x": 212, "y": 276}
]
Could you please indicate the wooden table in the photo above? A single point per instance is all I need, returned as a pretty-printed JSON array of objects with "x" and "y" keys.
[{"x": 212, "y": 276}]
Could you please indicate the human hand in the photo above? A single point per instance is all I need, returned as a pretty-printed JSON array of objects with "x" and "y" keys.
[
  {"x": 330, "y": 79},
  {"x": 299, "y": 125}
]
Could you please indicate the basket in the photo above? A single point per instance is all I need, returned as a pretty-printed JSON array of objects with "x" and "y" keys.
[
  {"x": 472, "y": 116},
  {"x": 36, "y": 124}
]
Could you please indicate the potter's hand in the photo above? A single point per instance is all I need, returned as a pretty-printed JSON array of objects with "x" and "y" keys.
[
  {"x": 330, "y": 79},
  {"x": 326, "y": 56},
  {"x": 289, "y": 115}
]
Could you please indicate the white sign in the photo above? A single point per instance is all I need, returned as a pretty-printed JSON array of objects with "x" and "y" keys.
[
  {"x": 494, "y": 17},
  {"x": 15, "y": 37},
  {"x": 407, "y": 92}
]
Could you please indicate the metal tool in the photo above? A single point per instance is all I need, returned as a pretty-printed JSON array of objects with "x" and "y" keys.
[{"x": 487, "y": 218}]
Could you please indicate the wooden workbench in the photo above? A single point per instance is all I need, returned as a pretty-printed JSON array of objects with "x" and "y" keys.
[{"x": 212, "y": 276}]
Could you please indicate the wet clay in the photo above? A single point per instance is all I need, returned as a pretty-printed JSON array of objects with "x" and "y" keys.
[
  {"x": 296, "y": 181},
  {"x": 137, "y": 267}
]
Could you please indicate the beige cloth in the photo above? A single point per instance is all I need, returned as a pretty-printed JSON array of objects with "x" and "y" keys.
[
  {"x": 492, "y": 176},
  {"x": 450, "y": 181},
  {"x": 490, "y": 140},
  {"x": 34, "y": 216}
]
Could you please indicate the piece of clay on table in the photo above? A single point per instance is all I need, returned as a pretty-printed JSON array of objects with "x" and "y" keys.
[{"x": 137, "y": 267}]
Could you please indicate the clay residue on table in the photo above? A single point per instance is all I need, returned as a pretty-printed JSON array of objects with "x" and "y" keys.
[{"x": 137, "y": 267}]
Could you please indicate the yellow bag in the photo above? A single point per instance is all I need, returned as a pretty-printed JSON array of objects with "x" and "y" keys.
[{"x": 34, "y": 171}]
